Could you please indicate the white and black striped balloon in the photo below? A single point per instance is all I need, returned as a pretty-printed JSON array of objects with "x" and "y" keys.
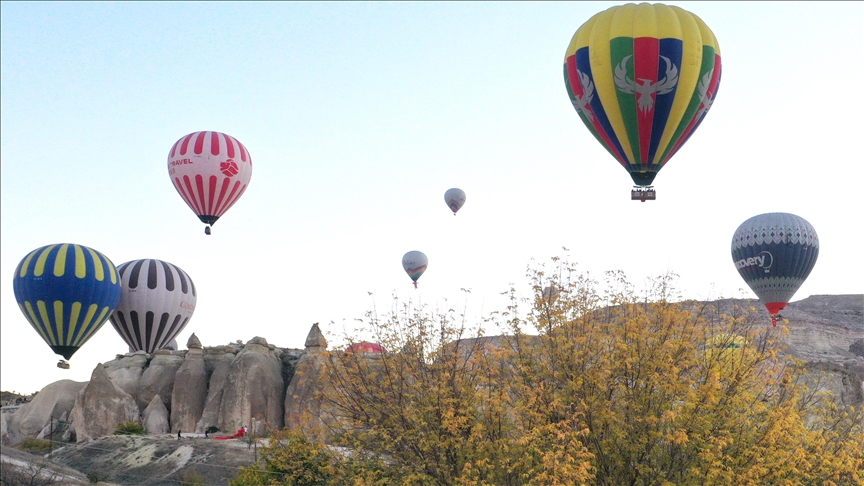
[{"x": 156, "y": 303}]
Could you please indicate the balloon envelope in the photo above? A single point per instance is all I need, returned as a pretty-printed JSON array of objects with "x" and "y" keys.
[
  {"x": 210, "y": 170},
  {"x": 642, "y": 78},
  {"x": 157, "y": 301},
  {"x": 726, "y": 346},
  {"x": 366, "y": 347},
  {"x": 454, "y": 198},
  {"x": 774, "y": 253},
  {"x": 414, "y": 263},
  {"x": 66, "y": 292}
]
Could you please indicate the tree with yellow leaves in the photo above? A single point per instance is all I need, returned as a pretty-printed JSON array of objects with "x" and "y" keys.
[
  {"x": 668, "y": 392},
  {"x": 591, "y": 384}
]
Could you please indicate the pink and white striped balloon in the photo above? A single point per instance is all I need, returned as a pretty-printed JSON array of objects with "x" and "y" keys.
[{"x": 210, "y": 170}]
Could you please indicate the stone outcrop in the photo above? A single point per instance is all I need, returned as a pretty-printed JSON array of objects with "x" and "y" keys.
[
  {"x": 156, "y": 417},
  {"x": 126, "y": 372},
  {"x": 193, "y": 342},
  {"x": 315, "y": 339},
  {"x": 54, "y": 428},
  {"x": 158, "y": 378},
  {"x": 56, "y": 399},
  {"x": 217, "y": 366},
  {"x": 5, "y": 438},
  {"x": 253, "y": 388},
  {"x": 303, "y": 402},
  {"x": 101, "y": 406},
  {"x": 190, "y": 389}
]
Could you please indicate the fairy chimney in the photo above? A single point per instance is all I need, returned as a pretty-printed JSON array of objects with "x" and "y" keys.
[{"x": 315, "y": 341}]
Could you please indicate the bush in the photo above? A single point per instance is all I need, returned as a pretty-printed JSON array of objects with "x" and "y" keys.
[
  {"x": 129, "y": 428},
  {"x": 94, "y": 477},
  {"x": 289, "y": 458},
  {"x": 34, "y": 445},
  {"x": 592, "y": 384},
  {"x": 191, "y": 477}
]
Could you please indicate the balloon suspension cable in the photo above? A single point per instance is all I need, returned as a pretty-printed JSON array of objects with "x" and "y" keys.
[{"x": 207, "y": 230}]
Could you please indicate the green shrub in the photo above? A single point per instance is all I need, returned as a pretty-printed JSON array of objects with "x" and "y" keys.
[
  {"x": 129, "y": 428},
  {"x": 191, "y": 477},
  {"x": 94, "y": 477},
  {"x": 34, "y": 445}
]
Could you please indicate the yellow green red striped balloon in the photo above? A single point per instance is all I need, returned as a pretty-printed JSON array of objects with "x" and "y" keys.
[
  {"x": 66, "y": 292},
  {"x": 642, "y": 78}
]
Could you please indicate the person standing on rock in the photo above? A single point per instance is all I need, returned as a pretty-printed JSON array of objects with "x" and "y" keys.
[{"x": 178, "y": 434}]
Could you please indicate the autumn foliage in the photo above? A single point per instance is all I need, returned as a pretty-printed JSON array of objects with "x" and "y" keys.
[{"x": 590, "y": 383}]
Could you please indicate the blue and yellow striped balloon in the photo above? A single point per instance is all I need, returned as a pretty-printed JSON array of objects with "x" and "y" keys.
[{"x": 66, "y": 292}]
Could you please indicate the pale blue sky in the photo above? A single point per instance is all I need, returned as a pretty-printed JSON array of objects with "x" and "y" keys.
[{"x": 359, "y": 116}]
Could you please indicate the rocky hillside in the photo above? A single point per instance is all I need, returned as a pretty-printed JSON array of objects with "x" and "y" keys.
[
  {"x": 265, "y": 387},
  {"x": 130, "y": 460}
]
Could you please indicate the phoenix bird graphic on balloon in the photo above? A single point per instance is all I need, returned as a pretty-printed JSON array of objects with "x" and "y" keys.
[{"x": 642, "y": 78}]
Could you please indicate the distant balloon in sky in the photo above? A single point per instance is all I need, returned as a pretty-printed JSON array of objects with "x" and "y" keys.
[
  {"x": 642, "y": 78},
  {"x": 210, "y": 170},
  {"x": 454, "y": 198},
  {"x": 157, "y": 301},
  {"x": 414, "y": 263},
  {"x": 66, "y": 292},
  {"x": 774, "y": 253}
]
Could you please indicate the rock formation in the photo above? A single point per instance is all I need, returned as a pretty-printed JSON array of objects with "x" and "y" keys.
[
  {"x": 158, "y": 378},
  {"x": 217, "y": 366},
  {"x": 56, "y": 399},
  {"x": 303, "y": 403},
  {"x": 266, "y": 387},
  {"x": 190, "y": 388},
  {"x": 4, "y": 429},
  {"x": 101, "y": 406},
  {"x": 253, "y": 388},
  {"x": 126, "y": 371},
  {"x": 156, "y": 417}
]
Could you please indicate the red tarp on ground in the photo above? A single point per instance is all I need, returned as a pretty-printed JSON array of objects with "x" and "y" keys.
[{"x": 239, "y": 434}]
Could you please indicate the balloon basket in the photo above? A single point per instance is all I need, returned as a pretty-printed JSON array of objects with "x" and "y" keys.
[
  {"x": 643, "y": 193},
  {"x": 207, "y": 230},
  {"x": 63, "y": 364}
]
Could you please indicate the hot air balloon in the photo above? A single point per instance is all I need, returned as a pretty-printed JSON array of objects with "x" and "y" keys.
[
  {"x": 66, "y": 292},
  {"x": 642, "y": 78},
  {"x": 157, "y": 302},
  {"x": 725, "y": 345},
  {"x": 414, "y": 263},
  {"x": 365, "y": 347},
  {"x": 727, "y": 351},
  {"x": 454, "y": 198},
  {"x": 774, "y": 253},
  {"x": 210, "y": 170}
]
